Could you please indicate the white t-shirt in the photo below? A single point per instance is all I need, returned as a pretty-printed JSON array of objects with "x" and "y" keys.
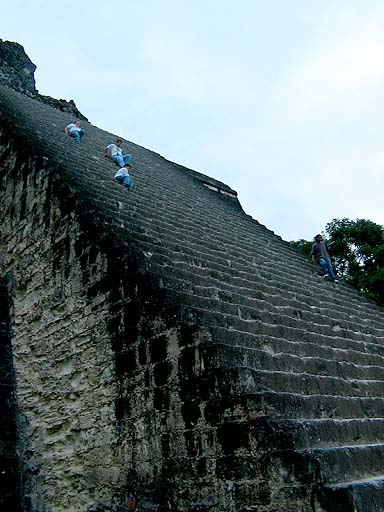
[
  {"x": 114, "y": 150},
  {"x": 123, "y": 171},
  {"x": 73, "y": 127}
]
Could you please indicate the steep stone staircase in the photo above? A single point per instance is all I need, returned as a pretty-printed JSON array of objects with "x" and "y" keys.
[{"x": 292, "y": 367}]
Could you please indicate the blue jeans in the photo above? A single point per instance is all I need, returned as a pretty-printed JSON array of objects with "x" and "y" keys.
[
  {"x": 77, "y": 134},
  {"x": 326, "y": 268},
  {"x": 125, "y": 180},
  {"x": 121, "y": 160}
]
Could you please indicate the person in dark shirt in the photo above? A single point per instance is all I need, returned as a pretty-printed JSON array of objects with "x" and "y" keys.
[{"x": 319, "y": 254}]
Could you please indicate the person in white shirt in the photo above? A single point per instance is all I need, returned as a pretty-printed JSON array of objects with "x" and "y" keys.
[
  {"x": 74, "y": 130},
  {"x": 115, "y": 153},
  {"x": 123, "y": 177}
]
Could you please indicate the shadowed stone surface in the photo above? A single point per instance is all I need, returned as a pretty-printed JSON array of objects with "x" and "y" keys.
[
  {"x": 16, "y": 68},
  {"x": 9, "y": 463},
  {"x": 164, "y": 349}
]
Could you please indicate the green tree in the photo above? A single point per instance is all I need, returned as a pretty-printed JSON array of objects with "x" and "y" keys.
[
  {"x": 357, "y": 252},
  {"x": 303, "y": 246}
]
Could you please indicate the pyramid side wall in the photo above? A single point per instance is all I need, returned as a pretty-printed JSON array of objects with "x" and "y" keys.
[
  {"x": 107, "y": 367},
  {"x": 63, "y": 360}
]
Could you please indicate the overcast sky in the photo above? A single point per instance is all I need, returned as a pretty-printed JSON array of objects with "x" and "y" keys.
[{"x": 282, "y": 100}]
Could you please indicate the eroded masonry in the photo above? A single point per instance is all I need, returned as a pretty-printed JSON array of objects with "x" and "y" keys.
[{"x": 157, "y": 351}]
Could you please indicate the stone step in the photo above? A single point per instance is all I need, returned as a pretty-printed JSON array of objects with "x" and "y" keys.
[
  {"x": 265, "y": 291},
  {"x": 307, "y": 467},
  {"x": 261, "y": 327},
  {"x": 290, "y": 333},
  {"x": 203, "y": 277},
  {"x": 332, "y": 465},
  {"x": 249, "y": 380},
  {"x": 221, "y": 355},
  {"x": 223, "y": 394},
  {"x": 273, "y": 316},
  {"x": 250, "y": 281},
  {"x": 314, "y": 347},
  {"x": 366, "y": 495},
  {"x": 291, "y": 434}
]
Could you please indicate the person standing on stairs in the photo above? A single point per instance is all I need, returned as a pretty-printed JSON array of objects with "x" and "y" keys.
[
  {"x": 319, "y": 254},
  {"x": 115, "y": 153},
  {"x": 74, "y": 130}
]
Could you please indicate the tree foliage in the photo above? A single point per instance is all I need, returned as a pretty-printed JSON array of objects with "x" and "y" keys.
[
  {"x": 357, "y": 253},
  {"x": 303, "y": 246}
]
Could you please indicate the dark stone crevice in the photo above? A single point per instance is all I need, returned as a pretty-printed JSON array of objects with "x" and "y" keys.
[{"x": 9, "y": 463}]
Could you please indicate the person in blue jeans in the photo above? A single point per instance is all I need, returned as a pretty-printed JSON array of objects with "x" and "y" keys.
[
  {"x": 115, "y": 153},
  {"x": 74, "y": 130},
  {"x": 123, "y": 176},
  {"x": 319, "y": 254}
]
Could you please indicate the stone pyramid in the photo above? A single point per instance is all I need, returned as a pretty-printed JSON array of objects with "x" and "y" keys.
[{"x": 169, "y": 350}]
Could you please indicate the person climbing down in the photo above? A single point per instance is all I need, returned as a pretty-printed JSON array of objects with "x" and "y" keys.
[
  {"x": 115, "y": 153},
  {"x": 123, "y": 177},
  {"x": 74, "y": 130},
  {"x": 319, "y": 254}
]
